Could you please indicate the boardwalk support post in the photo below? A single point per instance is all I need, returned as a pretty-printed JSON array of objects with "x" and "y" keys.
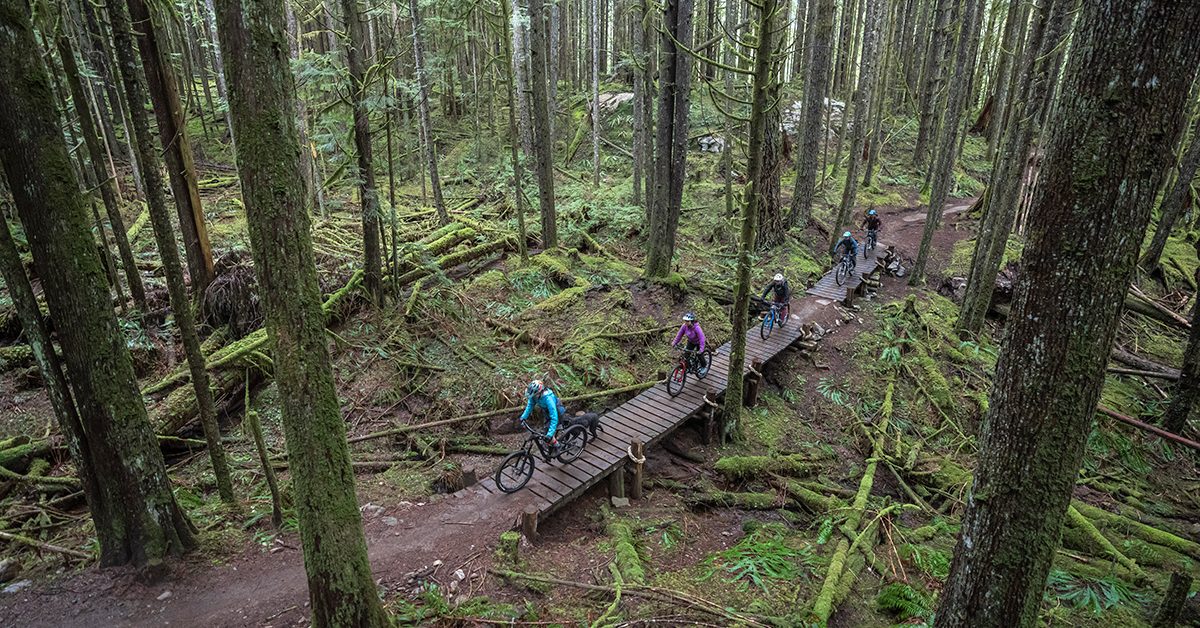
[
  {"x": 849, "y": 300},
  {"x": 710, "y": 421},
  {"x": 616, "y": 483},
  {"x": 752, "y": 383},
  {"x": 637, "y": 454},
  {"x": 529, "y": 524}
]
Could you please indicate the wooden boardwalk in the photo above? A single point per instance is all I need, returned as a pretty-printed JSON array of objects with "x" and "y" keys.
[
  {"x": 827, "y": 286},
  {"x": 653, "y": 414}
]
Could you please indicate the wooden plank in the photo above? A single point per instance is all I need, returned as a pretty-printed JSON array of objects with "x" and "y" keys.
[
  {"x": 580, "y": 475},
  {"x": 682, "y": 408},
  {"x": 553, "y": 483},
  {"x": 644, "y": 420},
  {"x": 637, "y": 425}
]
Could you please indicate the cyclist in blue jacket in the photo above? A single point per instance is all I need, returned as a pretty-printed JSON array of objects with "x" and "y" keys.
[
  {"x": 848, "y": 246},
  {"x": 538, "y": 395}
]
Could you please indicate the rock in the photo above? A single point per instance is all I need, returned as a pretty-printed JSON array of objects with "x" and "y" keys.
[
  {"x": 620, "y": 502},
  {"x": 371, "y": 510},
  {"x": 712, "y": 144},
  {"x": 164, "y": 595},
  {"x": 18, "y": 586},
  {"x": 460, "y": 574},
  {"x": 453, "y": 586},
  {"x": 390, "y": 521},
  {"x": 9, "y": 568},
  {"x": 437, "y": 563}
]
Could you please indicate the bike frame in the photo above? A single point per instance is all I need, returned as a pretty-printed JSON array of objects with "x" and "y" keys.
[{"x": 535, "y": 438}]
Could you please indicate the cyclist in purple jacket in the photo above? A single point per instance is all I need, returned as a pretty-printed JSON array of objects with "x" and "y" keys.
[{"x": 695, "y": 338}]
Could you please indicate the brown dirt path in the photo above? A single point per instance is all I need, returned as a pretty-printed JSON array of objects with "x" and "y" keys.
[{"x": 259, "y": 588}]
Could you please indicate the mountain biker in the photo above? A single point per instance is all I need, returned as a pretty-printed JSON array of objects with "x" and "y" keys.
[
  {"x": 872, "y": 223},
  {"x": 538, "y": 395},
  {"x": 695, "y": 337},
  {"x": 779, "y": 289},
  {"x": 848, "y": 246}
]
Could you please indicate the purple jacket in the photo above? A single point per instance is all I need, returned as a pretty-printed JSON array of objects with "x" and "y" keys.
[{"x": 694, "y": 334}]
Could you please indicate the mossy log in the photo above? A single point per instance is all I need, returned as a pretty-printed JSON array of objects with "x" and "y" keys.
[
  {"x": 15, "y": 356},
  {"x": 138, "y": 224},
  {"x": 179, "y": 408},
  {"x": 626, "y": 558},
  {"x": 20, "y": 456},
  {"x": 1089, "y": 530},
  {"x": 755, "y": 467},
  {"x": 810, "y": 499},
  {"x": 446, "y": 262},
  {"x": 1119, "y": 523},
  {"x": 728, "y": 499}
]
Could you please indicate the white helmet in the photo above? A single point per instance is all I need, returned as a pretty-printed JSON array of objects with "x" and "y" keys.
[
  {"x": 846, "y": 235},
  {"x": 778, "y": 277}
]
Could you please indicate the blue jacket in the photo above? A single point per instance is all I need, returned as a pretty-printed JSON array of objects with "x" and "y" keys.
[
  {"x": 549, "y": 402},
  {"x": 849, "y": 244}
]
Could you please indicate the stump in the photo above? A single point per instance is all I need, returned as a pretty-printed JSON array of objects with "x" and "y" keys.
[
  {"x": 638, "y": 450},
  {"x": 529, "y": 524}
]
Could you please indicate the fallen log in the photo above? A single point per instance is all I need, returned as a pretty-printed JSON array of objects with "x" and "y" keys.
[
  {"x": 24, "y": 540},
  {"x": 1090, "y": 531},
  {"x": 1116, "y": 370},
  {"x": 1187, "y": 442},
  {"x": 730, "y": 499},
  {"x": 1143, "y": 304},
  {"x": 748, "y": 467},
  {"x": 446, "y": 262},
  {"x": 1129, "y": 359}
]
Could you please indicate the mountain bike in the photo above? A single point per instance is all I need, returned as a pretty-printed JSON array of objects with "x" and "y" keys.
[
  {"x": 776, "y": 316},
  {"x": 517, "y": 467},
  {"x": 689, "y": 362},
  {"x": 845, "y": 268},
  {"x": 872, "y": 239}
]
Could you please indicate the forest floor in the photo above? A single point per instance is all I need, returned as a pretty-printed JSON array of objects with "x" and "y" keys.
[{"x": 435, "y": 538}]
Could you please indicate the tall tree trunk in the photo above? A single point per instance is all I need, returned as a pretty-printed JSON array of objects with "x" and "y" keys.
[
  {"x": 543, "y": 142},
  {"x": 134, "y": 511},
  {"x": 210, "y": 16},
  {"x": 1014, "y": 25},
  {"x": 670, "y": 153},
  {"x": 356, "y": 63},
  {"x": 429, "y": 146},
  {"x": 765, "y": 63},
  {"x": 768, "y": 201},
  {"x": 177, "y": 149},
  {"x": 1002, "y": 196},
  {"x": 164, "y": 236},
  {"x": 640, "y": 136},
  {"x": 1187, "y": 391},
  {"x": 931, "y": 77},
  {"x": 595, "y": 27},
  {"x": 1125, "y": 89},
  {"x": 105, "y": 180},
  {"x": 862, "y": 103},
  {"x": 307, "y": 170},
  {"x": 520, "y": 62},
  {"x": 262, "y": 97},
  {"x": 1176, "y": 202},
  {"x": 813, "y": 131},
  {"x": 645, "y": 35},
  {"x": 947, "y": 150},
  {"x": 514, "y": 138}
]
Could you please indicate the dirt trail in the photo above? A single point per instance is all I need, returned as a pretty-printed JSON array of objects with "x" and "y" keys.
[{"x": 257, "y": 588}]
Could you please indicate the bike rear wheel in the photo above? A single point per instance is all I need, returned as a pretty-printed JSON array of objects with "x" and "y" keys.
[
  {"x": 840, "y": 275},
  {"x": 515, "y": 471},
  {"x": 768, "y": 323},
  {"x": 708, "y": 360},
  {"x": 571, "y": 444},
  {"x": 677, "y": 379}
]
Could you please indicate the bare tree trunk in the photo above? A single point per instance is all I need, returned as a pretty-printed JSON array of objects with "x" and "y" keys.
[
  {"x": 356, "y": 62},
  {"x": 816, "y": 91},
  {"x": 862, "y": 99},
  {"x": 671, "y": 138},
  {"x": 1187, "y": 391},
  {"x": 931, "y": 77},
  {"x": 514, "y": 139},
  {"x": 136, "y": 517},
  {"x": 1108, "y": 151},
  {"x": 341, "y": 591},
  {"x": 1176, "y": 202},
  {"x": 595, "y": 27},
  {"x": 307, "y": 171},
  {"x": 543, "y": 142},
  {"x": 429, "y": 145},
  {"x": 520, "y": 63},
  {"x": 1014, "y": 25},
  {"x": 210, "y": 16}
]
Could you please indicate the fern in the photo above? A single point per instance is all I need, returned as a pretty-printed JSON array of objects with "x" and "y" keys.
[
  {"x": 758, "y": 559},
  {"x": 1096, "y": 595},
  {"x": 830, "y": 391},
  {"x": 903, "y": 602}
]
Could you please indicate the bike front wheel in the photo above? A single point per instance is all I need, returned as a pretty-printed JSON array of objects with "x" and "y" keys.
[
  {"x": 785, "y": 313},
  {"x": 840, "y": 276},
  {"x": 571, "y": 444},
  {"x": 515, "y": 471},
  {"x": 677, "y": 379},
  {"x": 768, "y": 323}
]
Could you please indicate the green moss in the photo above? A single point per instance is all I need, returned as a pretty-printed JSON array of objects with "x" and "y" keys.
[
  {"x": 964, "y": 250},
  {"x": 876, "y": 196},
  {"x": 1179, "y": 261},
  {"x": 754, "y": 467},
  {"x": 491, "y": 280},
  {"x": 627, "y": 558},
  {"x": 560, "y": 301}
]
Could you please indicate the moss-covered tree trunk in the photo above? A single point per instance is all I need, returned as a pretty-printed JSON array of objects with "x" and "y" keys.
[
  {"x": 765, "y": 63},
  {"x": 428, "y": 145},
  {"x": 1176, "y": 202},
  {"x": 514, "y": 136},
  {"x": 106, "y": 180},
  {"x": 1187, "y": 391},
  {"x": 168, "y": 252},
  {"x": 134, "y": 511},
  {"x": 947, "y": 146},
  {"x": 670, "y": 151},
  {"x": 356, "y": 63},
  {"x": 771, "y": 229},
  {"x": 543, "y": 140},
  {"x": 1014, "y": 25},
  {"x": 816, "y": 89},
  {"x": 163, "y": 89},
  {"x": 931, "y": 77},
  {"x": 1031, "y": 96},
  {"x": 862, "y": 99},
  {"x": 261, "y": 97},
  {"x": 1121, "y": 111}
]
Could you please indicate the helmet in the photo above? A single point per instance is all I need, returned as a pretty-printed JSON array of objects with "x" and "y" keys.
[
  {"x": 871, "y": 213},
  {"x": 689, "y": 317},
  {"x": 846, "y": 235},
  {"x": 778, "y": 277},
  {"x": 534, "y": 387}
]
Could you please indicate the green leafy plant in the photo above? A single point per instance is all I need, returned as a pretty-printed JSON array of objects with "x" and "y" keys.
[
  {"x": 829, "y": 390},
  {"x": 903, "y": 602},
  {"x": 932, "y": 562},
  {"x": 826, "y": 531},
  {"x": 1096, "y": 595},
  {"x": 759, "y": 558}
]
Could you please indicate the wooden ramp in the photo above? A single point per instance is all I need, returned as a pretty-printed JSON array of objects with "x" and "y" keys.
[{"x": 827, "y": 286}]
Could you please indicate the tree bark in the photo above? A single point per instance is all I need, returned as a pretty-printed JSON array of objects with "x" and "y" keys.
[
  {"x": 312, "y": 197},
  {"x": 177, "y": 149},
  {"x": 514, "y": 139},
  {"x": 164, "y": 236},
  {"x": 595, "y": 20},
  {"x": 1014, "y": 25},
  {"x": 813, "y": 132},
  {"x": 105, "y": 179},
  {"x": 1126, "y": 85},
  {"x": 136, "y": 517},
  {"x": 931, "y": 76},
  {"x": 947, "y": 150},
  {"x": 429, "y": 146},
  {"x": 356, "y": 62},
  {"x": 1187, "y": 391},
  {"x": 670, "y": 153},
  {"x": 862, "y": 100},
  {"x": 543, "y": 141},
  {"x": 262, "y": 99}
]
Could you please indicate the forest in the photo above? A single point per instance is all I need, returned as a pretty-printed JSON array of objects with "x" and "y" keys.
[{"x": 600, "y": 313}]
